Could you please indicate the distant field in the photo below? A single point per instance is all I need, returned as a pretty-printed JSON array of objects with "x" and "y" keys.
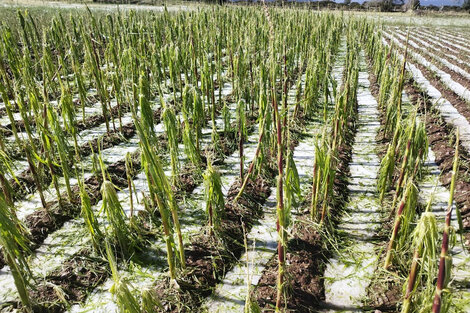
[
  {"x": 431, "y": 19},
  {"x": 445, "y": 19}
]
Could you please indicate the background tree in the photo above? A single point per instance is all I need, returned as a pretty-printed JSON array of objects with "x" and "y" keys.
[
  {"x": 386, "y": 5},
  {"x": 466, "y": 5},
  {"x": 414, "y": 4}
]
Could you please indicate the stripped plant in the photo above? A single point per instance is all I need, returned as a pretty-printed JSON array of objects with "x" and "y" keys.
[
  {"x": 15, "y": 245},
  {"x": 89, "y": 217},
  {"x": 242, "y": 132},
  {"x": 423, "y": 266},
  {"x": 198, "y": 118},
  {"x": 162, "y": 196},
  {"x": 258, "y": 158},
  {"x": 63, "y": 149},
  {"x": 214, "y": 199},
  {"x": 169, "y": 120},
  {"x": 121, "y": 289},
  {"x": 190, "y": 146},
  {"x": 6, "y": 169},
  {"x": 445, "y": 260},
  {"x": 321, "y": 171},
  {"x": 118, "y": 231},
  {"x": 130, "y": 183},
  {"x": 403, "y": 219}
]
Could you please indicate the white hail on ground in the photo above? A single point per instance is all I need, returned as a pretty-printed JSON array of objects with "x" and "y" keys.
[{"x": 350, "y": 272}]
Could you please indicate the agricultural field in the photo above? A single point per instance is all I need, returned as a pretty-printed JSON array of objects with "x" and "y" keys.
[{"x": 233, "y": 159}]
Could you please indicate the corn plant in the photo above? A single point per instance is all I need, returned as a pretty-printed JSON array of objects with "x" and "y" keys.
[
  {"x": 94, "y": 63},
  {"x": 190, "y": 148},
  {"x": 281, "y": 215},
  {"x": 117, "y": 219},
  {"x": 121, "y": 289},
  {"x": 169, "y": 120},
  {"x": 8, "y": 105},
  {"x": 409, "y": 144},
  {"x": 89, "y": 217},
  {"x": 226, "y": 116},
  {"x": 214, "y": 198},
  {"x": 69, "y": 115},
  {"x": 416, "y": 148},
  {"x": 198, "y": 118},
  {"x": 15, "y": 245},
  {"x": 144, "y": 104},
  {"x": 49, "y": 153},
  {"x": 425, "y": 238},
  {"x": 6, "y": 168},
  {"x": 242, "y": 132},
  {"x": 130, "y": 183},
  {"x": 257, "y": 159},
  {"x": 32, "y": 166},
  {"x": 26, "y": 116},
  {"x": 58, "y": 136},
  {"x": 191, "y": 144},
  {"x": 78, "y": 73},
  {"x": 118, "y": 229},
  {"x": 292, "y": 189},
  {"x": 404, "y": 217},
  {"x": 445, "y": 260},
  {"x": 320, "y": 167},
  {"x": 163, "y": 197}
]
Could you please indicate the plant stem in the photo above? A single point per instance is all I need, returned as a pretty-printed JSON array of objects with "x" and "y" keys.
[{"x": 442, "y": 278}]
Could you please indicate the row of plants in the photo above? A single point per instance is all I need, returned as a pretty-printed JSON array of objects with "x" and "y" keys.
[
  {"x": 241, "y": 212},
  {"x": 299, "y": 282},
  {"x": 195, "y": 97},
  {"x": 411, "y": 255},
  {"x": 443, "y": 122}
]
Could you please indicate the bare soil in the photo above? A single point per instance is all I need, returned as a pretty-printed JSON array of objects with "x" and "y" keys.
[
  {"x": 306, "y": 265},
  {"x": 208, "y": 257},
  {"x": 72, "y": 283}
]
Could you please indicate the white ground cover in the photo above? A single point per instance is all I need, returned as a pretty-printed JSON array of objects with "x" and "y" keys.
[
  {"x": 437, "y": 36},
  {"x": 448, "y": 112},
  {"x": 457, "y": 36},
  {"x": 417, "y": 37},
  {"x": 456, "y": 87},
  {"x": 350, "y": 271},
  {"x": 446, "y": 63},
  {"x": 441, "y": 45}
]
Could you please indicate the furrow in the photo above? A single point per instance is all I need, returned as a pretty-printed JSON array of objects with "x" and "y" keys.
[{"x": 350, "y": 271}]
